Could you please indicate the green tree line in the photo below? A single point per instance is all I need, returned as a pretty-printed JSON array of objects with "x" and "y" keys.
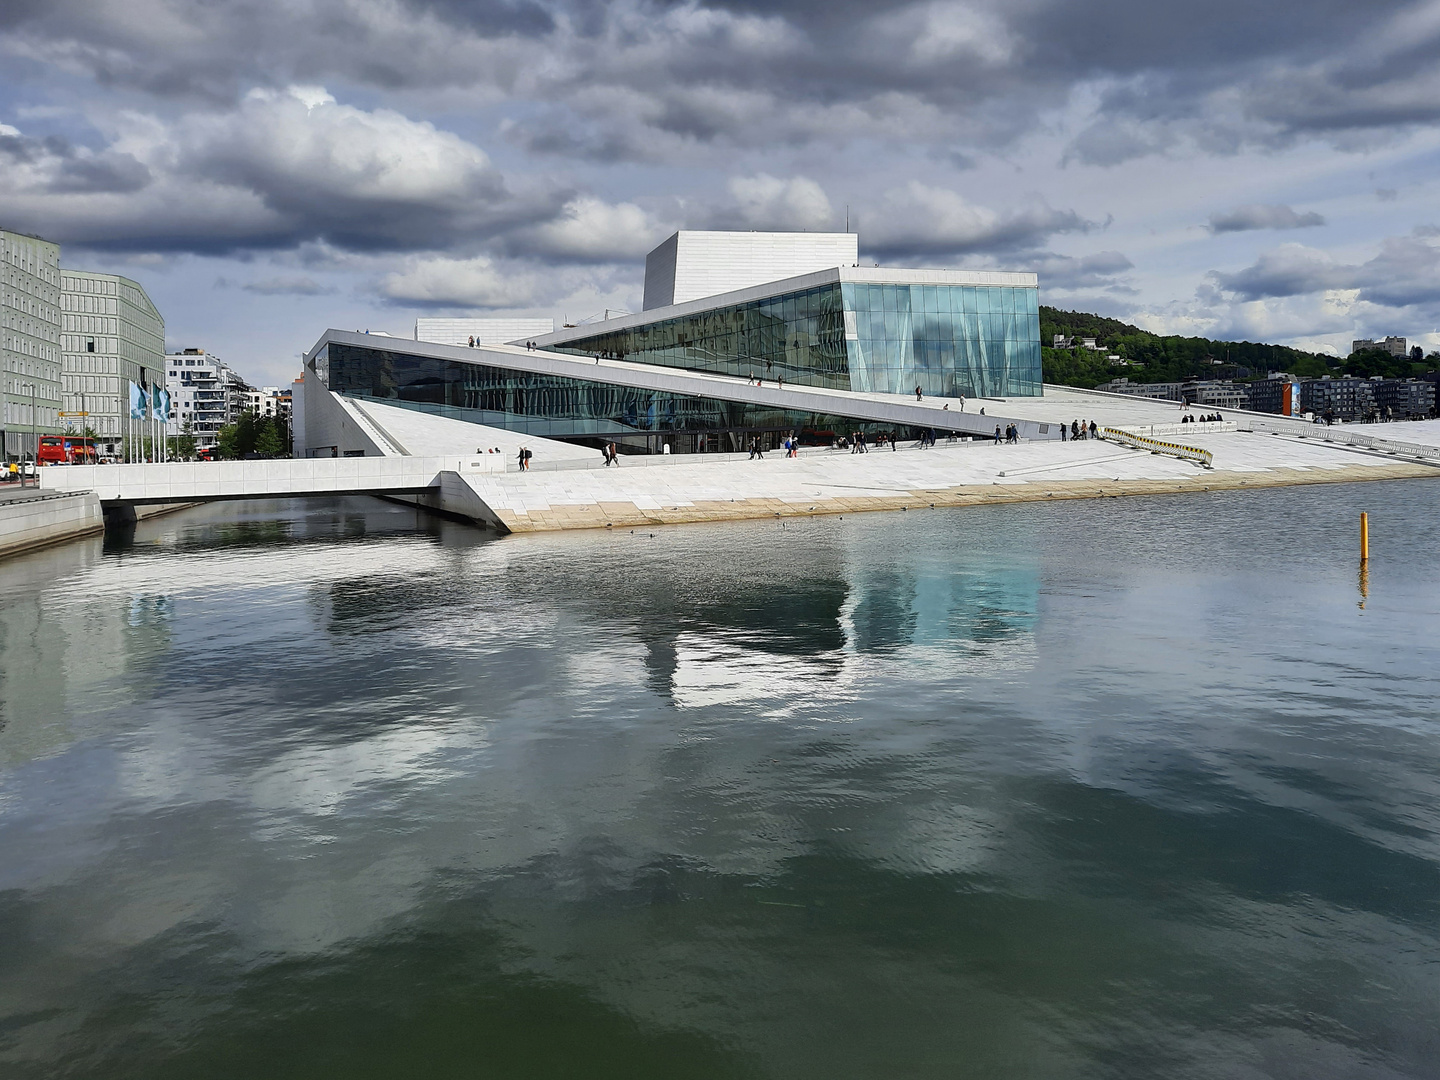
[
  {"x": 251, "y": 434},
  {"x": 1172, "y": 358}
]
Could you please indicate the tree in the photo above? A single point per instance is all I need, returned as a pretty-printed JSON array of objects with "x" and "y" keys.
[
  {"x": 269, "y": 439},
  {"x": 183, "y": 445}
]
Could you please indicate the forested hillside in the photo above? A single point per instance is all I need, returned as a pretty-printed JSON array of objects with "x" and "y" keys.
[{"x": 1156, "y": 358}]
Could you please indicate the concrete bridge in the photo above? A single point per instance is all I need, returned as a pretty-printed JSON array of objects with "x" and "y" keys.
[{"x": 204, "y": 481}]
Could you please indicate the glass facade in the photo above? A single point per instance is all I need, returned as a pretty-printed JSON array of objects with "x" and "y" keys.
[
  {"x": 557, "y": 407},
  {"x": 949, "y": 340}
]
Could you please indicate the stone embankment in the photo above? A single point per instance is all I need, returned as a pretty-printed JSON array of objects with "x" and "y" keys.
[
  {"x": 962, "y": 474},
  {"x": 31, "y": 518}
]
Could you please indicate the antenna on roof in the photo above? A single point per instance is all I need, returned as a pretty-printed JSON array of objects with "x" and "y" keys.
[{"x": 847, "y": 217}]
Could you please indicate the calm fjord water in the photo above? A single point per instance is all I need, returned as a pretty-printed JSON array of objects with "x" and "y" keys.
[{"x": 1095, "y": 789}]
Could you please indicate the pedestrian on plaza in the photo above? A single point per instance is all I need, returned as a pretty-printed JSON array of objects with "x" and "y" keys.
[
  {"x": 1063, "y": 432},
  {"x": 918, "y": 395},
  {"x": 997, "y": 434},
  {"x": 1094, "y": 431},
  {"x": 605, "y": 455}
]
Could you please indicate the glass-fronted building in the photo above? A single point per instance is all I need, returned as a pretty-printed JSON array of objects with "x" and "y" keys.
[
  {"x": 852, "y": 330},
  {"x": 560, "y": 407},
  {"x": 950, "y": 333}
]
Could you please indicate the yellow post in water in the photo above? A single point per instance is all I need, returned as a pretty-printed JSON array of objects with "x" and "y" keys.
[{"x": 1364, "y": 537}]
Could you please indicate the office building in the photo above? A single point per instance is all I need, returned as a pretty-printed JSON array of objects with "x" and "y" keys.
[
  {"x": 112, "y": 336},
  {"x": 481, "y": 331},
  {"x": 30, "y": 393},
  {"x": 205, "y": 395}
]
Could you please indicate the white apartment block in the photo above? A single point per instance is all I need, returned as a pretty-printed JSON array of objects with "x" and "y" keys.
[
  {"x": 112, "y": 336},
  {"x": 692, "y": 265},
  {"x": 205, "y": 394},
  {"x": 268, "y": 401},
  {"x": 481, "y": 331},
  {"x": 30, "y": 311}
]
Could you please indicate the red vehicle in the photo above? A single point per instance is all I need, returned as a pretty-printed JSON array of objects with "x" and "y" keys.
[{"x": 66, "y": 450}]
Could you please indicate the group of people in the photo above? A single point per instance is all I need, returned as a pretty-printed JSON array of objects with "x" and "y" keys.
[
  {"x": 1078, "y": 429},
  {"x": 1011, "y": 434},
  {"x": 1208, "y": 418},
  {"x": 611, "y": 453},
  {"x": 524, "y": 457},
  {"x": 757, "y": 448}
]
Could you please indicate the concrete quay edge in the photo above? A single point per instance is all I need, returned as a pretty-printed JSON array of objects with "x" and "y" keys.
[{"x": 617, "y": 515}]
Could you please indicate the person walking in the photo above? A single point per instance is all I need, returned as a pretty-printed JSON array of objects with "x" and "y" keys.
[
  {"x": 997, "y": 434},
  {"x": 1094, "y": 431},
  {"x": 1064, "y": 431},
  {"x": 918, "y": 395}
]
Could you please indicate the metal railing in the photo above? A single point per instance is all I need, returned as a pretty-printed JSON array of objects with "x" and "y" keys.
[
  {"x": 1329, "y": 434},
  {"x": 1156, "y": 446}
]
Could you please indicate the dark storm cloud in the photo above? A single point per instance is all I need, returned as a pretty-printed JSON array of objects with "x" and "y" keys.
[
  {"x": 287, "y": 287},
  {"x": 1087, "y": 272},
  {"x": 1405, "y": 273},
  {"x": 980, "y": 70},
  {"x": 75, "y": 170},
  {"x": 918, "y": 221},
  {"x": 491, "y": 18},
  {"x": 1261, "y": 216}
]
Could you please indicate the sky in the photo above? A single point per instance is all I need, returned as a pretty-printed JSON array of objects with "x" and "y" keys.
[{"x": 271, "y": 168}]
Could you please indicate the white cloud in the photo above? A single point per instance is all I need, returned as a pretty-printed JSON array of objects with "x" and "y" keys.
[
  {"x": 591, "y": 229},
  {"x": 468, "y": 283},
  {"x": 922, "y": 219},
  {"x": 768, "y": 202}
]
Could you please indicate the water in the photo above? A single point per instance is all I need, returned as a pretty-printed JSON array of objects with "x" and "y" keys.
[{"x": 1137, "y": 787}]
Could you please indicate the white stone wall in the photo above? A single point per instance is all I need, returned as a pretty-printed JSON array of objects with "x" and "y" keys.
[
  {"x": 691, "y": 265},
  {"x": 29, "y": 523}
]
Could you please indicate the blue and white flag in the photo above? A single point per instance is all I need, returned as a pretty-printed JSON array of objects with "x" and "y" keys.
[
  {"x": 162, "y": 402},
  {"x": 139, "y": 403}
]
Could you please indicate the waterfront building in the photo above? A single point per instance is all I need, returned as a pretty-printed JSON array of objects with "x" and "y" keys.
[
  {"x": 1160, "y": 391},
  {"x": 1276, "y": 394},
  {"x": 1404, "y": 399},
  {"x": 481, "y": 331},
  {"x": 30, "y": 393},
  {"x": 113, "y": 335},
  {"x": 205, "y": 394},
  {"x": 952, "y": 333},
  {"x": 874, "y": 331},
  {"x": 1339, "y": 398}
]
